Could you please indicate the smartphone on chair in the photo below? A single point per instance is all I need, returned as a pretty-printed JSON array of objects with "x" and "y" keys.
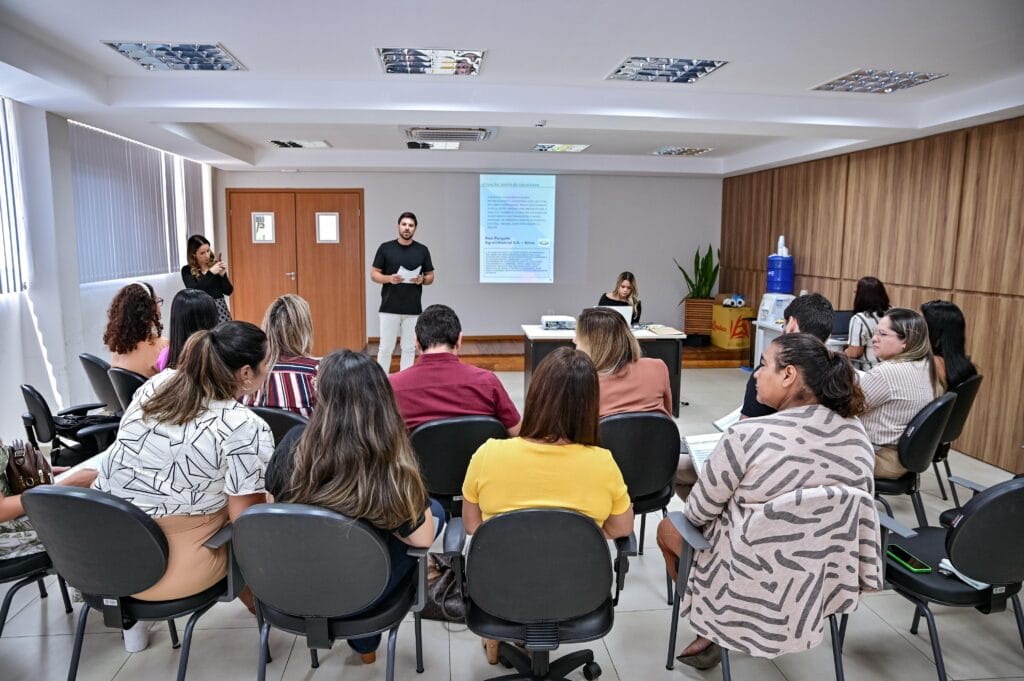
[{"x": 908, "y": 560}]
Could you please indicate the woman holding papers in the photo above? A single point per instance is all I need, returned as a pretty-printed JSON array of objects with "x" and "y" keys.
[
  {"x": 814, "y": 439},
  {"x": 624, "y": 293}
]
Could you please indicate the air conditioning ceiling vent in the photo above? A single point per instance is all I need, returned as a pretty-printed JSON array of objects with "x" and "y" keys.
[{"x": 449, "y": 134}]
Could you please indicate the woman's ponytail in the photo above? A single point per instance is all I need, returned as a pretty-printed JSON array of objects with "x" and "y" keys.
[{"x": 829, "y": 375}]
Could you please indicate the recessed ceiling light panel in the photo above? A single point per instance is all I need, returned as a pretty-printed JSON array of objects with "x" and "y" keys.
[
  {"x": 431, "y": 62},
  {"x": 449, "y": 134},
  {"x": 879, "y": 81},
  {"x": 177, "y": 56},
  {"x": 665, "y": 69},
  {"x": 301, "y": 144},
  {"x": 679, "y": 151},
  {"x": 561, "y": 148}
]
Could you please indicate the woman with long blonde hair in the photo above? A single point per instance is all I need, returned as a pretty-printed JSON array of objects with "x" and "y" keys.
[
  {"x": 354, "y": 457},
  {"x": 288, "y": 324},
  {"x": 626, "y": 292}
]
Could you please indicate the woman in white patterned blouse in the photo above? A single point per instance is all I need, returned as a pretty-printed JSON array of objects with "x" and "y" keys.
[{"x": 188, "y": 454}]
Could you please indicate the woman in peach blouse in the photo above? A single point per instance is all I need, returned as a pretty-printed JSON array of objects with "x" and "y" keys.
[{"x": 134, "y": 328}]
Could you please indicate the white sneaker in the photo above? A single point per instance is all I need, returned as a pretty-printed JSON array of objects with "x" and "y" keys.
[{"x": 136, "y": 638}]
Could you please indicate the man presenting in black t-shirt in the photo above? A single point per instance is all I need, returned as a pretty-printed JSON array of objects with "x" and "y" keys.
[{"x": 400, "y": 295}]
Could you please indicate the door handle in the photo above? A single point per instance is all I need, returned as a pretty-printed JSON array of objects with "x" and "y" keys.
[{"x": 290, "y": 275}]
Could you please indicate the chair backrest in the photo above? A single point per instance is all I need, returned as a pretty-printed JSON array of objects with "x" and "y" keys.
[
  {"x": 309, "y": 561},
  {"x": 444, "y": 448},
  {"x": 96, "y": 370},
  {"x": 645, "y": 446},
  {"x": 921, "y": 437},
  {"x": 280, "y": 420},
  {"x": 985, "y": 542},
  {"x": 966, "y": 391},
  {"x": 125, "y": 384},
  {"x": 99, "y": 543},
  {"x": 42, "y": 417},
  {"x": 539, "y": 565},
  {"x": 841, "y": 322}
]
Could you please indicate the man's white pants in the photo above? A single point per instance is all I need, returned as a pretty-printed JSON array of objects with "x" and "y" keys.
[{"x": 391, "y": 325}]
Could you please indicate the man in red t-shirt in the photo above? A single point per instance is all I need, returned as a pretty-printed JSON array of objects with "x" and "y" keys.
[{"x": 439, "y": 386}]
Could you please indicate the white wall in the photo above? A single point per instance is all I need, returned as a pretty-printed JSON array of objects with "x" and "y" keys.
[{"x": 605, "y": 224}]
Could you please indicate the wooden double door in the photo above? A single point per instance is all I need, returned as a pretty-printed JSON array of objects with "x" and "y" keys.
[{"x": 293, "y": 252}]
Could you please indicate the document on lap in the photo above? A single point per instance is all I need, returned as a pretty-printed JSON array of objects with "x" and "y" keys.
[
  {"x": 699, "y": 447},
  {"x": 93, "y": 463}
]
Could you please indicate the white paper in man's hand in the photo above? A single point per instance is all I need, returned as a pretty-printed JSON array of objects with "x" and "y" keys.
[{"x": 408, "y": 275}]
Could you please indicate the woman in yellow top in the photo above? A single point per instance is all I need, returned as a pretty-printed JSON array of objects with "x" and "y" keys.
[{"x": 556, "y": 461}]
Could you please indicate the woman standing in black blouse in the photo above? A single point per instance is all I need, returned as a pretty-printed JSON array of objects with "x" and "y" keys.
[{"x": 207, "y": 273}]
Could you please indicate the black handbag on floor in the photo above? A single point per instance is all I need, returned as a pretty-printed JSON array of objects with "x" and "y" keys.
[{"x": 444, "y": 598}]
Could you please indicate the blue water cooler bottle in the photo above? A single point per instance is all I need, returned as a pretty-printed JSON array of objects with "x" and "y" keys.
[{"x": 780, "y": 269}]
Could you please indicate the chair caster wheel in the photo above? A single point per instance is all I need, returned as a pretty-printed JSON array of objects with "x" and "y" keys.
[{"x": 591, "y": 671}]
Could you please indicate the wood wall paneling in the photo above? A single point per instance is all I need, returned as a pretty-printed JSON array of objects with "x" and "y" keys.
[
  {"x": 993, "y": 432},
  {"x": 808, "y": 206},
  {"x": 746, "y": 220},
  {"x": 988, "y": 256},
  {"x": 902, "y": 211},
  {"x": 825, "y": 286}
]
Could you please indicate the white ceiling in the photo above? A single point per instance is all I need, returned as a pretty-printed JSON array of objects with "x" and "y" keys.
[{"x": 312, "y": 73}]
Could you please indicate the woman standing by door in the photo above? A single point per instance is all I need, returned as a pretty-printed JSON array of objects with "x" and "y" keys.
[{"x": 208, "y": 273}]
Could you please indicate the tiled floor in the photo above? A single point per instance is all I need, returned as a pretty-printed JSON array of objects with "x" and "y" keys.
[{"x": 36, "y": 644}]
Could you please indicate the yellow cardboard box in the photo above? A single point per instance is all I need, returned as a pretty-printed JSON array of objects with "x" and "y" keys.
[{"x": 729, "y": 328}]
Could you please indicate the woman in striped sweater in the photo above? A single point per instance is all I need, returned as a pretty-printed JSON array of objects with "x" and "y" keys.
[
  {"x": 898, "y": 387},
  {"x": 288, "y": 324}
]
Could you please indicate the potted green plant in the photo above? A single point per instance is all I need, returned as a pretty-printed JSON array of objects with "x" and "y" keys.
[{"x": 698, "y": 303}]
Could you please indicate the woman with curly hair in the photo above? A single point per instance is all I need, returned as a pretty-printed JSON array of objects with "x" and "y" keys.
[{"x": 134, "y": 328}]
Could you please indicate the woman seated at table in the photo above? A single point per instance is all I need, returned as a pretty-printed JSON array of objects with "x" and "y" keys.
[
  {"x": 288, "y": 324},
  {"x": 814, "y": 439},
  {"x": 625, "y": 293},
  {"x": 901, "y": 385},
  {"x": 202, "y": 453},
  {"x": 355, "y": 458},
  {"x": 870, "y": 302},
  {"x": 191, "y": 311},
  {"x": 555, "y": 462},
  {"x": 946, "y": 333},
  {"x": 133, "y": 329},
  {"x": 628, "y": 381}
]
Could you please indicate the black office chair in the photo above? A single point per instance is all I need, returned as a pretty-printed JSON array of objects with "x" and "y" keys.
[
  {"x": 280, "y": 420},
  {"x": 27, "y": 569},
  {"x": 917, "y": 446},
  {"x": 125, "y": 384},
  {"x": 74, "y": 434},
  {"x": 444, "y": 448},
  {"x": 966, "y": 392},
  {"x": 344, "y": 566},
  {"x": 645, "y": 446},
  {"x": 540, "y": 578},
  {"x": 109, "y": 549},
  {"x": 96, "y": 370},
  {"x": 984, "y": 545}
]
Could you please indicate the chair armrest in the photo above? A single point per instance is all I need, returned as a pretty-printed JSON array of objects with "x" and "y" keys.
[
  {"x": 691, "y": 535},
  {"x": 236, "y": 582},
  {"x": 220, "y": 537},
  {"x": 890, "y": 524},
  {"x": 969, "y": 484},
  {"x": 454, "y": 536},
  {"x": 101, "y": 434},
  {"x": 81, "y": 409},
  {"x": 626, "y": 546},
  {"x": 421, "y": 576}
]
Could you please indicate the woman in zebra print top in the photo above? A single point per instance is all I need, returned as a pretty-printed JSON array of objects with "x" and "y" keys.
[{"x": 763, "y": 588}]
